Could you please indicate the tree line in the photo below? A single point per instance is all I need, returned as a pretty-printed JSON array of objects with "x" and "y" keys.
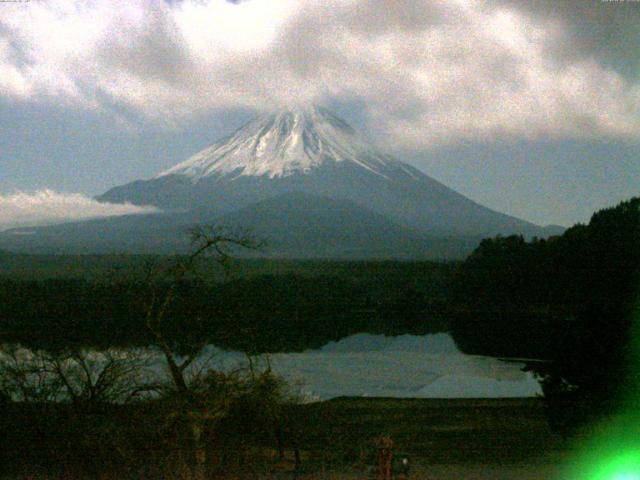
[
  {"x": 571, "y": 300},
  {"x": 261, "y": 313}
]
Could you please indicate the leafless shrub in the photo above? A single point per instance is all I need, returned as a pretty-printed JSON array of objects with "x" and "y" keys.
[{"x": 78, "y": 375}]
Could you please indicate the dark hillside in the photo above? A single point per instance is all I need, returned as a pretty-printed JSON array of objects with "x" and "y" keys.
[{"x": 571, "y": 299}]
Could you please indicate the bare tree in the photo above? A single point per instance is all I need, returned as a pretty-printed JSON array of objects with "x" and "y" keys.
[
  {"x": 81, "y": 376},
  {"x": 25, "y": 376},
  {"x": 203, "y": 401},
  {"x": 109, "y": 376}
]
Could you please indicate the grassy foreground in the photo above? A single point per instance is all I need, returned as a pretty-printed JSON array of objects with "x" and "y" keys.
[
  {"x": 437, "y": 431},
  {"x": 505, "y": 438},
  {"x": 483, "y": 439}
]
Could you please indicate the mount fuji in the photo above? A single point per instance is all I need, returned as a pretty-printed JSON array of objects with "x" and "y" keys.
[{"x": 311, "y": 185}]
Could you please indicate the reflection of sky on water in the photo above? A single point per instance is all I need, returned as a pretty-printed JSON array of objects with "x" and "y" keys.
[{"x": 428, "y": 366}]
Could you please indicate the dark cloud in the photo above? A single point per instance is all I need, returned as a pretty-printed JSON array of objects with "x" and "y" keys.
[
  {"x": 607, "y": 31},
  {"x": 428, "y": 72}
]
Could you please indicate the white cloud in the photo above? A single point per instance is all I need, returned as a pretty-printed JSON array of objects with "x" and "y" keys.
[
  {"x": 46, "y": 207},
  {"x": 429, "y": 72}
]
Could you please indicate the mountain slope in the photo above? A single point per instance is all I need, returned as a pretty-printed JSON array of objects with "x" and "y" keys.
[
  {"x": 304, "y": 180},
  {"x": 149, "y": 233},
  {"x": 294, "y": 225},
  {"x": 307, "y": 226},
  {"x": 312, "y": 151}
]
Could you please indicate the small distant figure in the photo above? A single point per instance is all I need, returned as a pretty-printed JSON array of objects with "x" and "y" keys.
[
  {"x": 401, "y": 467},
  {"x": 385, "y": 457}
]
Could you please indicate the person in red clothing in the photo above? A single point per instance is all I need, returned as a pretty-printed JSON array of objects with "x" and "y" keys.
[{"x": 385, "y": 457}]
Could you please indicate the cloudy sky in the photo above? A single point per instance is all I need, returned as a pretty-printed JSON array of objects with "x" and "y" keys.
[{"x": 531, "y": 108}]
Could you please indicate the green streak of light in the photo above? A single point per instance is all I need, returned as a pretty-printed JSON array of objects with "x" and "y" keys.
[
  {"x": 611, "y": 449},
  {"x": 622, "y": 467}
]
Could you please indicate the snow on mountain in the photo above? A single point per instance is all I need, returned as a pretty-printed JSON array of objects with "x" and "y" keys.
[
  {"x": 303, "y": 180},
  {"x": 268, "y": 174},
  {"x": 283, "y": 143}
]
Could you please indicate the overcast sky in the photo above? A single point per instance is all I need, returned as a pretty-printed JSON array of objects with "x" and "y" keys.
[{"x": 531, "y": 108}]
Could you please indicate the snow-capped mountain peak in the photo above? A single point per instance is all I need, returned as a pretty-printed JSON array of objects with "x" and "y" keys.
[
  {"x": 304, "y": 170},
  {"x": 283, "y": 143}
]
